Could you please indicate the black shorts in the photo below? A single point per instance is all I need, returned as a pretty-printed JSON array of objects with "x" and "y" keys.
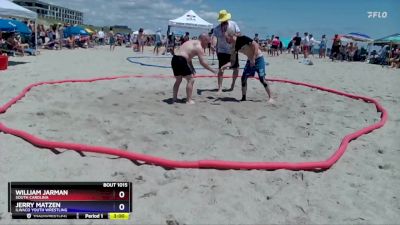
[
  {"x": 180, "y": 66},
  {"x": 336, "y": 49},
  {"x": 224, "y": 58}
]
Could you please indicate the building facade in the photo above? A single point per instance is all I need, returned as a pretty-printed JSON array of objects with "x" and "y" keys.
[{"x": 49, "y": 11}]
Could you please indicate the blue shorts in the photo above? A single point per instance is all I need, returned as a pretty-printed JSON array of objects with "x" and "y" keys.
[{"x": 259, "y": 67}]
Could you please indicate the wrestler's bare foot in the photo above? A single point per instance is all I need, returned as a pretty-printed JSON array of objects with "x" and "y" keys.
[
  {"x": 219, "y": 92},
  {"x": 271, "y": 101},
  {"x": 190, "y": 102}
]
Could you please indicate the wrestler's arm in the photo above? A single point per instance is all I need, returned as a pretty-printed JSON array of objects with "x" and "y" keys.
[{"x": 200, "y": 54}]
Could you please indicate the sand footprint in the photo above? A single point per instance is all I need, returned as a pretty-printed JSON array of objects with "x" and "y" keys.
[
  {"x": 238, "y": 114},
  {"x": 228, "y": 120},
  {"x": 212, "y": 199},
  {"x": 385, "y": 167},
  {"x": 165, "y": 132},
  {"x": 169, "y": 177},
  {"x": 148, "y": 194}
]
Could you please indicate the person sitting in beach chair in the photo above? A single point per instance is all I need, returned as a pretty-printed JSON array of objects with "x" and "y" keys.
[
  {"x": 383, "y": 55},
  {"x": 50, "y": 45},
  {"x": 394, "y": 60},
  {"x": 13, "y": 44},
  {"x": 255, "y": 60},
  {"x": 26, "y": 48},
  {"x": 70, "y": 43},
  {"x": 20, "y": 44},
  {"x": 182, "y": 65},
  {"x": 2, "y": 41},
  {"x": 3, "y": 45},
  {"x": 362, "y": 54}
]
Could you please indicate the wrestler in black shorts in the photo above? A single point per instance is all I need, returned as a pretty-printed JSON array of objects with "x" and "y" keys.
[
  {"x": 181, "y": 67},
  {"x": 224, "y": 58}
]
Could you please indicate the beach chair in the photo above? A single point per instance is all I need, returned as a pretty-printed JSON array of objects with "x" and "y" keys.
[{"x": 32, "y": 51}]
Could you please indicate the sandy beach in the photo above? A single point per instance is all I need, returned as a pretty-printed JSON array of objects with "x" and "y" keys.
[{"x": 134, "y": 114}]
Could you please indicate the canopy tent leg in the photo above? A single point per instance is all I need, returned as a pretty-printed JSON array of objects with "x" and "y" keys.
[{"x": 36, "y": 42}]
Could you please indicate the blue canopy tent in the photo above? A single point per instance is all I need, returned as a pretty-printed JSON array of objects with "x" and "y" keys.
[
  {"x": 9, "y": 25},
  {"x": 358, "y": 37},
  {"x": 75, "y": 30}
]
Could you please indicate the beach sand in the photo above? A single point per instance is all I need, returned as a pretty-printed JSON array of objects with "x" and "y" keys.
[{"x": 134, "y": 114}]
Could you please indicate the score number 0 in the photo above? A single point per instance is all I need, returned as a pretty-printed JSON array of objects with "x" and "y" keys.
[{"x": 121, "y": 206}]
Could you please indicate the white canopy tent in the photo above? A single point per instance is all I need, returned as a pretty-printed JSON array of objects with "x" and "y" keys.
[
  {"x": 190, "y": 20},
  {"x": 9, "y": 9}
]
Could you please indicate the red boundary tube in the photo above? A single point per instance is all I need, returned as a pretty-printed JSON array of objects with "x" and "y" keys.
[{"x": 215, "y": 164}]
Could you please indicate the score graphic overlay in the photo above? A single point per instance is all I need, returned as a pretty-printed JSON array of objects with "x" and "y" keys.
[{"x": 70, "y": 200}]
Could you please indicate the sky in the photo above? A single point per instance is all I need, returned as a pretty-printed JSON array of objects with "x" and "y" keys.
[{"x": 266, "y": 17}]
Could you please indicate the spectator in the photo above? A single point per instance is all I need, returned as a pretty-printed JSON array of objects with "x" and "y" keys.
[
  {"x": 351, "y": 49},
  {"x": 297, "y": 44},
  {"x": 322, "y": 47},
  {"x": 185, "y": 38},
  {"x": 383, "y": 55},
  {"x": 395, "y": 58},
  {"x": 158, "y": 42},
  {"x": 306, "y": 45},
  {"x": 312, "y": 43},
  {"x": 14, "y": 45},
  {"x": 111, "y": 37},
  {"x": 141, "y": 39},
  {"x": 210, "y": 45},
  {"x": 290, "y": 46},
  {"x": 256, "y": 39},
  {"x": 275, "y": 46},
  {"x": 280, "y": 45},
  {"x": 42, "y": 34},
  {"x": 71, "y": 42},
  {"x": 101, "y": 36},
  {"x": 335, "y": 51}
]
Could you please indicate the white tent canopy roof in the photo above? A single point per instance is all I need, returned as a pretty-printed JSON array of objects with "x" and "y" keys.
[
  {"x": 190, "y": 20},
  {"x": 10, "y": 9}
]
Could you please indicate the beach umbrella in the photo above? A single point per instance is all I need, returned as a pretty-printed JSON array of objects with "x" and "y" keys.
[
  {"x": 358, "y": 37},
  {"x": 75, "y": 30},
  {"x": 345, "y": 39},
  {"x": 89, "y": 30},
  {"x": 391, "y": 39},
  {"x": 14, "y": 26}
]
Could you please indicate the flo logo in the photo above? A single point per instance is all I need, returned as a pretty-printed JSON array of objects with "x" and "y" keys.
[{"x": 377, "y": 15}]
